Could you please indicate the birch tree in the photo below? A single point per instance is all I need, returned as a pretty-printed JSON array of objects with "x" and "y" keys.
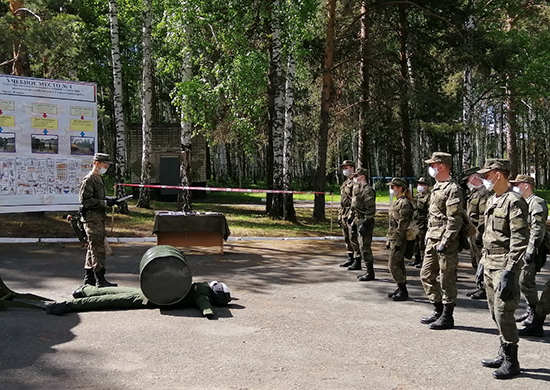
[
  {"x": 184, "y": 198},
  {"x": 289, "y": 214}
]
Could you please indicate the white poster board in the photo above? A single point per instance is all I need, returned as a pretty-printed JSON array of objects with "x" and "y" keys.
[{"x": 48, "y": 136}]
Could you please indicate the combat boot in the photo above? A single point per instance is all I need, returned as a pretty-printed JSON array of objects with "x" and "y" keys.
[
  {"x": 496, "y": 362},
  {"x": 56, "y": 308},
  {"x": 435, "y": 315},
  {"x": 510, "y": 366},
  {"x": 402, "y": 294},
  {"x": 89, "y": 277},
  {"x": 446, "y": 321},
  {"x": 391, "y": 294},
  {"x": 369, "y": 275},
  {"x": 523, "y": 316},
  {"x": 79, "y": 293},
  {"x": 101, "y": 281},
  {"x": 479, "y": 294},
  {"x": 356, "y": 266},
  {"x": 348, "y": 262},
  {"x": 529, "y": 319},
  {"x": 535, "y": 328}
]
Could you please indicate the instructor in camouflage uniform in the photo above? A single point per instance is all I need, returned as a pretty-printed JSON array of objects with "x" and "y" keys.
[
  {"x": 438, "y": 273},
  {"x": 93, "y": 198},
  {"x": 504, "y": 243},
  {"x": 535, "y": 253},
  {"x": 476, "y": 202},
  {"x": 363, "y": 208},
  {"x": 345, "y": 215}
]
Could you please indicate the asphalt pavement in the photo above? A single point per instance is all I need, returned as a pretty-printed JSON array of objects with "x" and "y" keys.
[{"x": 300, "y": 322}]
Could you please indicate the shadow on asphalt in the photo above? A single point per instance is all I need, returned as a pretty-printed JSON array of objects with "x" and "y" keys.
[{"x": 540, "y": 374}]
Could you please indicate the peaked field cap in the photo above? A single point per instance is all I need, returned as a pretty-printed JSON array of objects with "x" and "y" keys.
[
  {"x": 469, "y": 172},
  {"x": 347, "y": 163},
  {"x": 422, "y": 180},
  {"x": 523, "y": 179},
  {"x": 495, "y": 163},
  {"x": 362, "y": 171},
  {"x": 102, "y": 157},
  {"x": 440, "y": 157},
  {"x": 397, "y": 181}
]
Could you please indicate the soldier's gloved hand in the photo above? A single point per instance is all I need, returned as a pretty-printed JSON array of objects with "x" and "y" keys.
[
  {"x": 363, "y": 228},
  {"x": 528, "y": 257},
  {"x": 111, "y": 201},
  {"x": 441, "y": 248},
  {"x": 507, "y": 287},
  {"x": 479, "y": 240},
  {"x": 388, "y": 246}
]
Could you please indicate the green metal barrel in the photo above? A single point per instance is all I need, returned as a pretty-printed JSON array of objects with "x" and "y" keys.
[{"x": 164, "y": 275}]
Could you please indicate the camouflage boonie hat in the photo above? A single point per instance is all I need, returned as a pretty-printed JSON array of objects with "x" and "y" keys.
[
  {"x": 523, "y": 179},
  {"x": 102, "y": 157},
  {"x": 469, "y": 172},
  {"x": 422, "y": 180},
  {"x": 362, "y": 171},
  {"x": 440, "y": 157},
  {"x": 348, "y": 163},
  {"x": 397, "y": 181},
  {"x": 495, "y": 163}
]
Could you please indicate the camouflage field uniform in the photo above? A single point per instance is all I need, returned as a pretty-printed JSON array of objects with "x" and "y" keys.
[
  {"x": 400, "y": 216},
  {"x": 363, "y": 207},
  {"x": 421, "y": 204},
  {"x": 92, "y": 197},
  {"x": 543, "y": 306},
  {"x": 476, "y": 203},
  {"x": 350, "y": 238},
  {"x": 444, "y": 223},
  {"x": 536, "y": 220},
  {"x": 504, "y": 242}
]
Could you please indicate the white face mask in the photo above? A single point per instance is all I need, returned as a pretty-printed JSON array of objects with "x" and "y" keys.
[
  {"x": 488, "y": 184},
  {"x": 102, "y": 170},
  {"x": 392, "y": 191},
  {"x": 420, "y": 189},
  {"x": 517, "y": 189},
  {"x": 433, "y": 171},
  {"x": 346, "y": 172}
]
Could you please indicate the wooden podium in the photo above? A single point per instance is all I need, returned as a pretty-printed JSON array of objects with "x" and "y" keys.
[{"x": 191, "y": 229}]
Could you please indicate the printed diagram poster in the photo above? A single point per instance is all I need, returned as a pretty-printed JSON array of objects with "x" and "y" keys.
[{"x": 48, "y": 136}]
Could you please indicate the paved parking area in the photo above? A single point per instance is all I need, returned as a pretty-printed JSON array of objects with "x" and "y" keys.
[{"x": 300, "y": 322}]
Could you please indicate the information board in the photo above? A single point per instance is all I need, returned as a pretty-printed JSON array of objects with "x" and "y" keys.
[{"x": 48, "y": 136}]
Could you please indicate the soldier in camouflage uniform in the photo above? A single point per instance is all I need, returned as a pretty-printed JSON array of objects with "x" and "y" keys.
[
  {"x": 535, "y": 253},
  {"x": 92, "y": 196},
  {"x": 400, "y": 216},
  {"x": 363, "y": 208},
  {"x": 505, "y": 240},
  {"x": 345, "y": 215},
  {"x": 438, "y": 273},
  {"x": 421, "y": 203},
  {"x": 476, "y": 202},
  {"x": 535, "y": 328}
]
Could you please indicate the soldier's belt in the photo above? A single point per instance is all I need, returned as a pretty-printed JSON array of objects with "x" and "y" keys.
[{"x": 497, "y": 251}]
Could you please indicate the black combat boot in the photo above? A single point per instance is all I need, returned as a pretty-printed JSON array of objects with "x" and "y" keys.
[
  {"x": 349, "y": 261},
  {"x": 391, "y": 294},
  {"x": 446, "y": 321},
  {"x": 369, "y": 275},
  {"x": 356, "y": 266},
  {"x": 510, "y": 365},
  {"x": 529, "y": 319},
  {"x": 435, "y": 315},
  {"x": 525, "y": 315},
  {"x": 78, "y": 293},
  {"x": 496, "y": 362},
  {"x": 56, "y": 308},
  {"x": 479, "y": 294},
  {"x": 534, "y": 328},
  {"x": 89, "y": 277},
  {"x": 101, "y": 281},
  {"x": 402, "y": 294}
]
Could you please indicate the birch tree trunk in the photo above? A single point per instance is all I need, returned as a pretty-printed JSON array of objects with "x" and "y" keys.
[
  {"x": 289, "y": 213},
  {"x": 319, "y": 205},
  {"x": 469, "y": 97},
  {"x": 511, "y": 127},
  {"x": 364, "y": 146},
  {"x": 21, "y": 64},
  {"x": 146, "y": 106},
  {"x": 184, "y": 198},
  {"x": 120, "y": 122},
  {"x": 278, "y": 111},
  {"x": 407, "y": 168}
]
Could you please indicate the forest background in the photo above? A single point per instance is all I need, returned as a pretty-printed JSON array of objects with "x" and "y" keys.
[{"x": 284, "y": 91}]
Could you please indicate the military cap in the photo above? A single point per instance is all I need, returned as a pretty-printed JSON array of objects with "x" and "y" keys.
[
  {"x": 495, "y": 163},
  {"x": 397, "y": 181},
  {"x": 440, "y": 157},
  {"x": 102, "y": 157},
  {"x": 469, "y": 172},
  {"x": 348, "y": 163},
  {"x": 422, "y": 180},
  {"x": 523, "y": 179},
  {"x": 362, "y": 171}
]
